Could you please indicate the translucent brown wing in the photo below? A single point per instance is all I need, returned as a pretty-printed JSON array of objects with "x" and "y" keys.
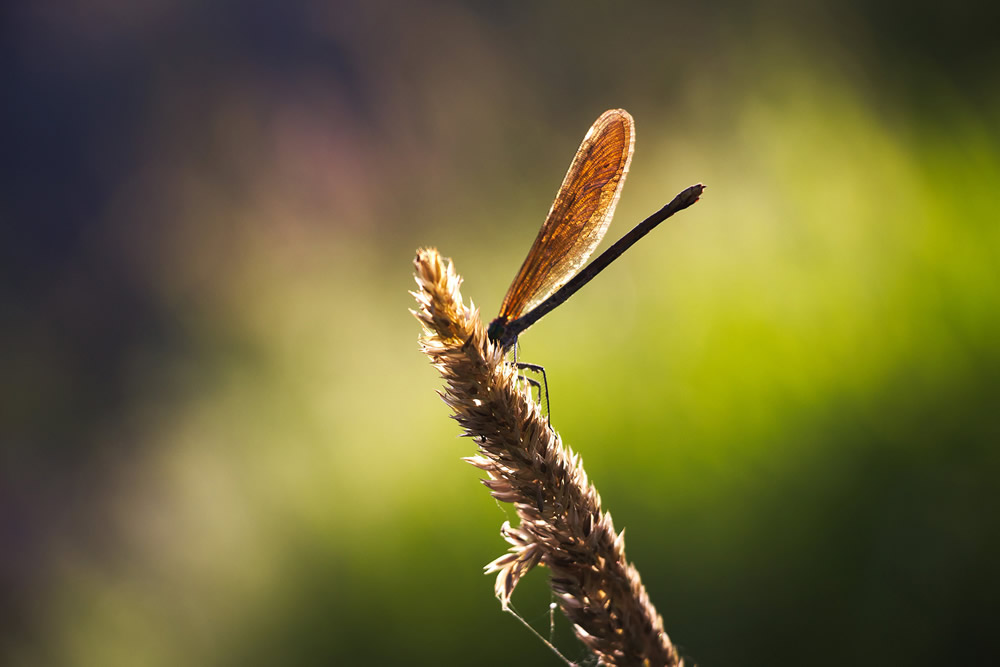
[{"x": 579, "y": 216}]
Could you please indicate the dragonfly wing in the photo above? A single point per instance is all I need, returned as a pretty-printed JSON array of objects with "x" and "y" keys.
[{"x": 579, "y": 216}]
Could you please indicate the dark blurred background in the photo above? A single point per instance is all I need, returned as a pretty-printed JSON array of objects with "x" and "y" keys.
[{"x": 221, "y": 446}]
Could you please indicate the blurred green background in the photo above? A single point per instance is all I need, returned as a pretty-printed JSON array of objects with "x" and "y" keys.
[{"x": 221, "y": 445}]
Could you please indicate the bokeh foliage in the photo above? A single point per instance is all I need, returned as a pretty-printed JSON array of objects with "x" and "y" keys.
[{"x": 221, "y": 445}]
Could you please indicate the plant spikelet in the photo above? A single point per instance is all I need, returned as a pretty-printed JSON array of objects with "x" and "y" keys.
[{"x": 562, "y": 525}]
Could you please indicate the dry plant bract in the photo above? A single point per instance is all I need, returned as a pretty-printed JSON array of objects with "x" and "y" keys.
[{"x": 561, "y": 525}]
